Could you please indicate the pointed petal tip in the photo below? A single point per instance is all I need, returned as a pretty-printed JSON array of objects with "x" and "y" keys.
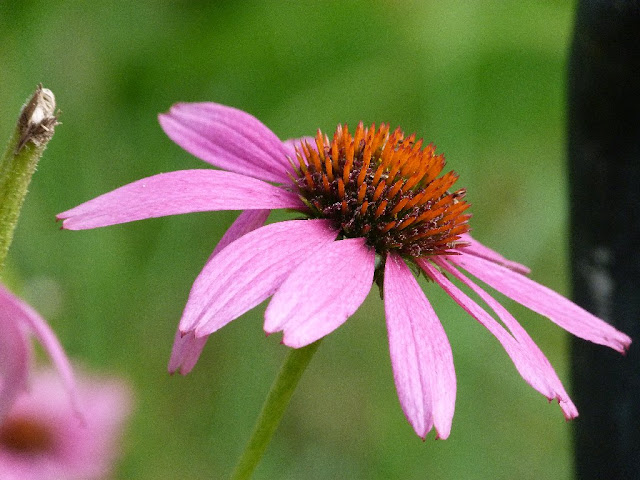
[
  {"x": 440, "y": 434},
  {"x": 296, "y": 341},
  {"x": 177, "y": 364},
  {"x": 184, "y": 330},
  {"x": 61, "y": 217},
  {"x": 200, "y": 332},
  {"x": 625, "y": 344},
  {"x": 187, "y": 323},
  {"x": 177, "y": 106},
  {"x": 65, "y": 224},
  {"x": 269, "y": 332},
  {"x": 267, "y": 327},
  {"x": 166, "y": 117},
  {"x": 179, "y": 369},
  {"x": 443, "y": 431},
  {"x": 171, "y": 109},
  {"x": 618, "y": 341},
  {"x": 569, "y": 410}
]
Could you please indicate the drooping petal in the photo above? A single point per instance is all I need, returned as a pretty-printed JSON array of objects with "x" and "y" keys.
[
  {"x": 227, "y": 138},
  {"x": 249, "y": 270},
  {"x": 420, "y": 352},
  {"x": 322, "y": 292},
  {"x": 522, "y": 358},
  {"x": 14, "y": 362},
  {"x": 185, "y": 352},
  {"x": 479, "y": 250},
  {"x": 187, "y": 348},
  {"x": 15, "y": 309},
  {"x": 544, "y": 301},
  {"x": 520, "y": 334},
  {"x": 173, "y": 193}
]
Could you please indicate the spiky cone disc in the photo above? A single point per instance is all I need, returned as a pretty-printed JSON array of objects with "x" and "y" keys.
[{"x": 384, "y": 187}]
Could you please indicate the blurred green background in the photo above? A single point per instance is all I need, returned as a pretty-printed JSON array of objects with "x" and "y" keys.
[{"x": 483, "y": 80}]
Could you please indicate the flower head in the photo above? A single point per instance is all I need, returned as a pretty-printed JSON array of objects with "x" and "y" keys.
[
  {"x": 374, "y": 204},
  {"x": 18, "y": 321},
  {"x": 41, "y": 437}
]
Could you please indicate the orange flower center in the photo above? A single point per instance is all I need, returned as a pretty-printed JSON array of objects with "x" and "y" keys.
[
  {"x": 383, "y": 187},
  {"x": 25, "y": 435}
]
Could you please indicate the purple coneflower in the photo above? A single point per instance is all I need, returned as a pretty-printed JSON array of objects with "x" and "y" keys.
[
  {"x": 18, "y": 322},
  {"x": 42, "y": 438},
  {"x": 374, "y": 205}
]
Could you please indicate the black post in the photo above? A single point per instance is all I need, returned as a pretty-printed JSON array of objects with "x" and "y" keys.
[{"x": 604, "y": 156}]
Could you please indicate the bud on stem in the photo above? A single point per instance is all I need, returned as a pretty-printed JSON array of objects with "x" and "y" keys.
[{"x": 32, "y": 133}]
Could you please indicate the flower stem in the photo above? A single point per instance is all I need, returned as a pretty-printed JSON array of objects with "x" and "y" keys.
[
  {"x": 273, "y": 409},
  {"x": 34, "y": 129}
]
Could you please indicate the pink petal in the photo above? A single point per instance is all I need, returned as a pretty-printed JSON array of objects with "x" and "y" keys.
[
  {"x": 544, "y": 301},
  {"x": 420, "y": 352},
  {"x": 19, "y": 311},
  {"x": 178, "y": 192},
  {"x": 249, "y": 270},
  {"x": 322, "y": 292},
  {"x": 227, "y": 138},
  {"x": 185, "y": 352},
  {"x": 569, "y": 409},
  {"x": 187, "y": 348},
  {"x": 479, "y": 250},
  {"x": 14, "y": 361},
  {"x": 522, "y": 357},
  {"x": 78, "y": 449}
]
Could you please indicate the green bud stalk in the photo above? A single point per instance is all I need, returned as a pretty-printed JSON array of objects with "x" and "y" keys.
[{"x": 29, "y": 139}]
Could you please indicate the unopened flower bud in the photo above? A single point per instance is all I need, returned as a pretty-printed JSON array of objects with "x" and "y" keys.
[{"x": 38, "y": 119}]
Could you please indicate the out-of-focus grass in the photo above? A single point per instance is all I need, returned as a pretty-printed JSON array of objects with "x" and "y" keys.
[{"x": 483, "y": 80}]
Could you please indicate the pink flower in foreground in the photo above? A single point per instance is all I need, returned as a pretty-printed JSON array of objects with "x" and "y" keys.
[
  {"x": 41, "y": 437},
  {"x": 374, "y": 205},
  {"x": 18, "y": 321}
]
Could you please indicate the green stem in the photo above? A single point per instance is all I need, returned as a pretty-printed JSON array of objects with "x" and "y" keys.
[
  {"x": 18, "y": 163},
  {"x": 273, "y": 409}
]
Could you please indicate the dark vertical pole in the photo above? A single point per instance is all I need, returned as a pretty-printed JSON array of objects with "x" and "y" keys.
[{"x": 604, "y": 156}]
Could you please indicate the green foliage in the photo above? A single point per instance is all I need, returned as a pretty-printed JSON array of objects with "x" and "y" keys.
[{"x": 482, "y": 80}]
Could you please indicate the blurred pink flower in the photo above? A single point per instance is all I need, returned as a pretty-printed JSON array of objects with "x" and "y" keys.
[
  {"x": 375, "y": 205},
  {"x": 42, "y": 438},
  {"x": 18, "y": 321}
]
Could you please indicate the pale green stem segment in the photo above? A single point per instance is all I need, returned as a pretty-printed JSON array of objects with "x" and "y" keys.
[
  {"x": 34, "y": 129},
  {"x": 273, "y": 409}
]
